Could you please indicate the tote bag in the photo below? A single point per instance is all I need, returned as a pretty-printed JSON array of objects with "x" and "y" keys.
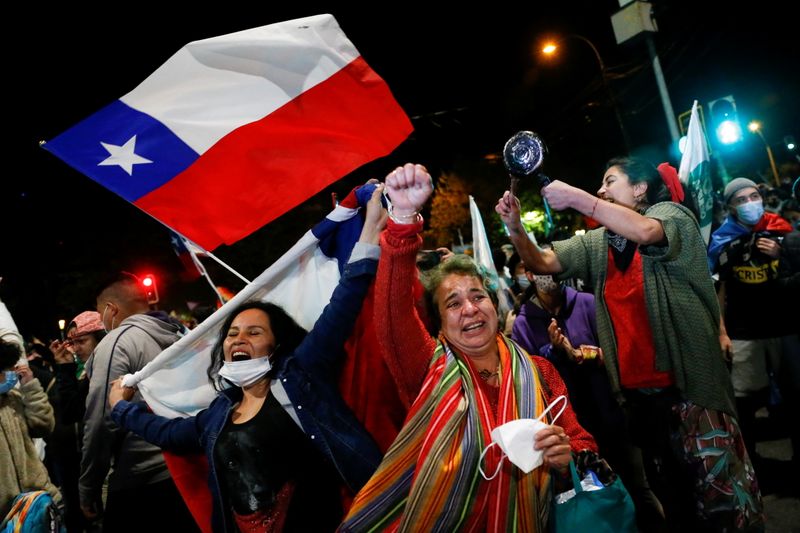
[{"x": 609, "y": 509}]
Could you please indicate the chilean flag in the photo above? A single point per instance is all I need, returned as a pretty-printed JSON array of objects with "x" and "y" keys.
[
  {"x": 192, "y": 268},
  {"x": 301, "y": 281},
  {"x": 233, "y": 131}
]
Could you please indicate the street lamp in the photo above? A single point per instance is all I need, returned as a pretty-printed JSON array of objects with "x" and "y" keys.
[
  {"x": 755, "y": 127},
  {"x": 61, "y": 324},
  {"x": 549, "y": 49}
]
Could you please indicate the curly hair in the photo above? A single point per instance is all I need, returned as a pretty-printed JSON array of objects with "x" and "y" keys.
[{"x": 462, "y": 265}]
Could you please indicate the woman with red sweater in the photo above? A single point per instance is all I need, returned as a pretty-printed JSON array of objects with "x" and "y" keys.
[{"x": 459, "y": 387}]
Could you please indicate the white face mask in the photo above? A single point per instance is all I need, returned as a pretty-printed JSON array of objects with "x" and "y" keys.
[
  {"x": 515, "y": 438},
  {"x": 245, "y": 373},
  {"x": 523, "y": 281}
]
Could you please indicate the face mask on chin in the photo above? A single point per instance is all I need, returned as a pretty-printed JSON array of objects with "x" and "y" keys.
[
  {"x": 245, "y": 373},
  {"x": 750, "y": 213}
]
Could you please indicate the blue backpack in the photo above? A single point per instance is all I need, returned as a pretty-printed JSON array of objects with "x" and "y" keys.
[{"x": 33, "y": 512}]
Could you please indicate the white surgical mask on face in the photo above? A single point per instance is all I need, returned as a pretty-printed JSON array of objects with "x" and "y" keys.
[
  {"x": 523, "y": 281},
  {"x": 516, "y": 439},
  {"x": 750, "y": 213},
  {"x": 245, "y": 373}
]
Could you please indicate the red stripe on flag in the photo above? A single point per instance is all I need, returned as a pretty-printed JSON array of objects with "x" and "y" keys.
[
  {"x": 261, "y": 170},
  {"x": 190, "y": 474}
]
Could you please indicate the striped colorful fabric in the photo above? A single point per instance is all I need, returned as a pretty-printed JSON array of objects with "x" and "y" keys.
[{"x": 429, "y": 478}]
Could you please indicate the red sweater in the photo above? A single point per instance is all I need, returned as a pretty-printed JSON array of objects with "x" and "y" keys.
[{"x": 406, "y": 344}]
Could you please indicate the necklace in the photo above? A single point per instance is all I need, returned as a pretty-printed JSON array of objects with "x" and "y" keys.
[{"x": 487, "y": 375}]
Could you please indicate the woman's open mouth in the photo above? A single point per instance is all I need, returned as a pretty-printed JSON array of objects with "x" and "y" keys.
[{"x": 240, "y": 356}]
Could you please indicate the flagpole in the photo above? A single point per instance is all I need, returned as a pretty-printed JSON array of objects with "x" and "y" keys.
[
  {"x": 223, "y": 264},
  {"x": 200, "y": 267},
  {"x": 193, "y": 248},
  {"x": 213, "y": 287}
]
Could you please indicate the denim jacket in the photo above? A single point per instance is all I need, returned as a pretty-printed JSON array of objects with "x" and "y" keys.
[{"x": 310, "y": 378}]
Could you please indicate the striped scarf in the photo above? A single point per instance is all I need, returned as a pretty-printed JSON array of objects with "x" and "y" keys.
[{"x": 429, "y": 479}]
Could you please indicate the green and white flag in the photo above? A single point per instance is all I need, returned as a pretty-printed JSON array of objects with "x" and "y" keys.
[
  {"x": 481, "y": 250},
  {"x": 482, "y": 253},
  {"x": 695, "y": 172}
]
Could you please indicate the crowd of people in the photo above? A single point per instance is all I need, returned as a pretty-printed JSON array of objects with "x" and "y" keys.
[{"x": 663, "y": 362}]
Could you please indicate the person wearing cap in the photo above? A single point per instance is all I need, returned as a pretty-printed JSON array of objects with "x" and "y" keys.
[
  {"x": 745, "y": 252},
  {"x": 657, "y": 321},
  {"x": 84, "y": 332}
]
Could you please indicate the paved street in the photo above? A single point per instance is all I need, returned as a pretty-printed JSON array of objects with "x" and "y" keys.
[{"x": 780, "y": 485}]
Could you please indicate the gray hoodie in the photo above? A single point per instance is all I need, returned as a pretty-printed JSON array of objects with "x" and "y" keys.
[{"x": 128, "y": 348}]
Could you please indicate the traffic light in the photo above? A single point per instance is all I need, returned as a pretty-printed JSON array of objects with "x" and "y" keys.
[
  {"x": 150, "y": 289},
  {"x": 725, "y": 120}
]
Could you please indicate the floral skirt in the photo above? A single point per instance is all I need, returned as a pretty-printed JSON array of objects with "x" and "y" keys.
[
  {"x": 696, "y": 463},
  {"x": 726, "y": 489}
]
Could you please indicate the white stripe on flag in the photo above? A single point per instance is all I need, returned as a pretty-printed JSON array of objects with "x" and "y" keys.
[
  {"x": 301, "y": 281},
  {"x": 231, "y": 73}
]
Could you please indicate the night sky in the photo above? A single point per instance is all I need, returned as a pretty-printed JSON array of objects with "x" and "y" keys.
[{"x": 468, "y": 79}]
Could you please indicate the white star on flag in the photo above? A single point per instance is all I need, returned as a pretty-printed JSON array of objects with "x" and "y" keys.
[{"x": 124, "y": 156}]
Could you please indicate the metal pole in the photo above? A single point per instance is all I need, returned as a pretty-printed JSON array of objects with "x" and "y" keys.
[
  {"x": 662, "y": 89},
  {"x": 603, "y": 76},
  {"x": 771, "y": 159}
]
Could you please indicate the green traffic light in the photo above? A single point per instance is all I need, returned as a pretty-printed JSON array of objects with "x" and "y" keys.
[
  {"x": 725, "y": 120},
  {"x": 729, "y": 132}
]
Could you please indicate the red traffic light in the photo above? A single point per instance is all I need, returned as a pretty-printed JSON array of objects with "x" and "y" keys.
[{"x": 148, "y": 282}]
